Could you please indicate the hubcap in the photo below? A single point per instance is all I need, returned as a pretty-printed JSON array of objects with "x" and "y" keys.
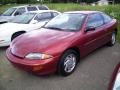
[
  {"x": 113, "y": 38},
  {"x": 70, "y": 63}
]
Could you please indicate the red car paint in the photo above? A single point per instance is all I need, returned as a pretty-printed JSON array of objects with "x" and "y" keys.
[
  {"x": 114, "y": 75},
  {"x": 55, "y": 43}
]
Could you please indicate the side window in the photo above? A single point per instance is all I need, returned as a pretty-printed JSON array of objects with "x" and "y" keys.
[
  {"x": 43, "y": 16},
  {"x": 31, "y": 8},
  {"x": 42, "y": 8},
  {"x": 20, "y": 11},
  {"x": 95, "y": 20},
  {"x": 55, "y": 14},
  {"x": 106, "y": 18},
  {"x": 38, "y": 17}
]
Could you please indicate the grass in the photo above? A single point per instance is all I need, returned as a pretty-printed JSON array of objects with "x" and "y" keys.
[
  {"x": 118, "y": 36},
  {"x": 112, "y": 10}
]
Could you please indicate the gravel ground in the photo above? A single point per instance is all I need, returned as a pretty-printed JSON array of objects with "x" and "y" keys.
[{"x": 92, "y": 73}]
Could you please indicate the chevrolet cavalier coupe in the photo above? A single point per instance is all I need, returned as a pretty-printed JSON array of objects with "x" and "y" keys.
[{"x": 59, "y": 45}]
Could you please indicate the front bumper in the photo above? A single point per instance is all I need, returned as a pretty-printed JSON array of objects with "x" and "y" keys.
[
  {"x": 4, "y": 43},
  {"x": 39, "y": 67}
]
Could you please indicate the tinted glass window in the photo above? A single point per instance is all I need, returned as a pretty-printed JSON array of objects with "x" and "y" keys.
[
  {"x": 20, "y": 11},
  {"x": 38, "y": 17},
  {"x": 43, "y": 16},
  {"x": 31, "y": 8},
  {"x": 9, "y": 12},
  {"x": 107, "y": 18},
  {"x": 69, "y": 22},
  {"x": 95, "y": 20},
  {"x": 42, "y": 8}
]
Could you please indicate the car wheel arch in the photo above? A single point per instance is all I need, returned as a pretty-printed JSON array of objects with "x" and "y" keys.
[
  {"x": 18, "y": 33},
  {"x": 68, "y": 49},
  {"x": 71, "y": 48},
  {"x": 116, "y": 31}
]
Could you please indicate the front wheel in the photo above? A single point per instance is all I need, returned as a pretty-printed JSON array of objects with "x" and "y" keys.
[
  {"x": 68, "y": 62},
  {"x": 113, "y": 39}
]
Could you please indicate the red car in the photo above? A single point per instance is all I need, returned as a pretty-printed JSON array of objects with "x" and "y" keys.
[
  {"x": 115, "y": 80},
  {"x": 60, "y": 44}
]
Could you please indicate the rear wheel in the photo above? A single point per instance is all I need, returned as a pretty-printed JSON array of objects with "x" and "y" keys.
[
  {"x": 113, "y": 39},
  {"x": 68, "y": 62}
]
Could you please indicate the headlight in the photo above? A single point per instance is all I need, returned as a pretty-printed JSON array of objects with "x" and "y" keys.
[{"x": 34, "y": 56}]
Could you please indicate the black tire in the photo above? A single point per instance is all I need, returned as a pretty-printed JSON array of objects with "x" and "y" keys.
[
  {"x": 63, "y": 60},
  {"x": 113, "y": 39},
  {"x": 16, "y": 35}
]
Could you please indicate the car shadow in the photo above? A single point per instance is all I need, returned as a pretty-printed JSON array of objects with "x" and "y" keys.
[{"x": 4, "y": 48}]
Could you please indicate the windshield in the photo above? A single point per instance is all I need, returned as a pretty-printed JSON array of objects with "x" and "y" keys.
[
  {"x": 66, "y": 21},
  {"x": 117, "y": 82},
  {"x": 24, "y": 18},
  {"x": 9, "y": 12}
]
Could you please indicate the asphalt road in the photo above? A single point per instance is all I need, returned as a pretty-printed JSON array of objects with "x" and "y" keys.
[{"x": 92, "y": 73}]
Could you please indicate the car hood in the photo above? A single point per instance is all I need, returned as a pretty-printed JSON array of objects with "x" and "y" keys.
[
  {"x": 5, "y": 18},
  {"x": 10, "y": 28},
  {"x": 40, "y": 41}
]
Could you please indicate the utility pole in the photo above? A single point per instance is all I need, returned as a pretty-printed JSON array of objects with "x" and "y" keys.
[
  {"x": 77, "y": 1},
  {"x": 113, "y": 1},
  {"x": 40, "y": 1}
]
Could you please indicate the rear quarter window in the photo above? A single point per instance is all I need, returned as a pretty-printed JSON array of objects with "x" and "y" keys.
[
  {"x": 106, "y": 18},
  {"x": 95, "y": 20}
]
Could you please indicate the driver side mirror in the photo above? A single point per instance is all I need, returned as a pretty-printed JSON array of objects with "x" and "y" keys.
[{"x": 89, "y": 29}]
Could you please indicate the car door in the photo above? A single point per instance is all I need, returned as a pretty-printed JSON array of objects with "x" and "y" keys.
[
  {"x": 108, "y": 27},
  {"x": 94, "y": 38}
]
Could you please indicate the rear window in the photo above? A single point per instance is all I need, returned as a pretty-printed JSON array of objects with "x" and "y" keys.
[{"x": 31, "y": 8}]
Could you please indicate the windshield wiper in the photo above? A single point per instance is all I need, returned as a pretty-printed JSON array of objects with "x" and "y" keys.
[{"x": 56, "y": 28}]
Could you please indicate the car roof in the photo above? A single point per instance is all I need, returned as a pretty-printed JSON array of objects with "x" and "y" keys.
[
  {"x": 83, "y": 12},
  {"x": 28, "y": 6},
  {"x": 41, "y": 11}
]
